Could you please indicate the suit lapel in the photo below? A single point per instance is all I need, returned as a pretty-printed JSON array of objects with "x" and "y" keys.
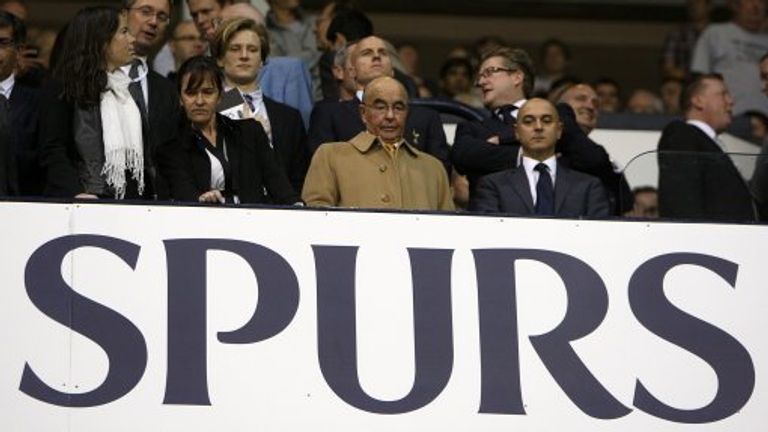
[
  {"x": 522, "y": 188},
  {"x": 562, "y": 187}
]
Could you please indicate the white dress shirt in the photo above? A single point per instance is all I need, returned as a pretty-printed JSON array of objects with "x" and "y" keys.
[{"x": 6, "y": 87}]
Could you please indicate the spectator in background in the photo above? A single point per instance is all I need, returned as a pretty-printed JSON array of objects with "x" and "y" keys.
[
  {"x": 185, "y": 43},
  {"x": 671, "y": 89},
  {"x": 697, "y": 179},
  {"x": 646, "y": 204},
  {"x": 31, "y": 68},
  {"x": 643, "y": 101},
  {"x": 759, "y": 182},
  {"x": 608, "y": 95},
  {"x": 241, "y": 48},
  {"x": 379, "y": 167},
  {"x": 340, "y": 121},
  {"x": 555, "y": 57},
  {"x": 291, "y": 33},
  {"x": 734, "y": 49},
  {"x": 678, "y": 46},
  {"x": 456, "y": 82},
  {"x": 207, "y": 16},
  {"x": 221, "y": 160},
  {"x": 20, "y": 104},
  {"x": 16, "y": 7},
  {"x": 347, "y": 26},
  {"x": 583, "y": 99},
  {"x": 242, "y": 10},
  {"x": 409, "y": 58},
  {"x": 344, "y": 73},
  {"x": 758, "y": 125}
]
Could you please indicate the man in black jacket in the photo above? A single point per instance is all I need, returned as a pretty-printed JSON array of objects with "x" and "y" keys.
[
  {"x": 506, "y": 77},
  {"x": 697, "y": 179}
]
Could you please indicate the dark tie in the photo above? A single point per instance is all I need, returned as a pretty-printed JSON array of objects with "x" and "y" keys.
[
  {"x": 249, "y": 100},
  {"x": 545, "y": 193},
  {"x": 506, "y": 114},
  {"x": 135, "y": 88}
]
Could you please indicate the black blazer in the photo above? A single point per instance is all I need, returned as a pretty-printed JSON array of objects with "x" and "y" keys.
[
  {"x": 576, "y": 194},
  {"x": 58, "y": 149},
  {"x": 473, "y": 156},
  {"x": 333, "y": 121},
  {"x": 25, "y": 104},
  {"x": 257, "y": 176},
  {"x": 8, "y": 185},
  {"x": 290, "y": 140},
  {"x": 697, "y": 180}
]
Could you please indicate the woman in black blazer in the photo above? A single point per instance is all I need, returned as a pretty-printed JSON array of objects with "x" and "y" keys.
[{"x": 218, "y": 159}]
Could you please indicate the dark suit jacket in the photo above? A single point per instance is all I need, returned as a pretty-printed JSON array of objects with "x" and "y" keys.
[
  {"x": 59, "y": 154},
  {"x": 340, "y": 121},
  {"x": 290, "y": 140},
  {"x": 474, "y": 156},
  {"x": 508, "y": 191},
  {"x": 7, "y": 164},
  {"x": 697, "y": 180},
  {"x": 253, "y": 165},
  {"x": 25, "y": 104}
]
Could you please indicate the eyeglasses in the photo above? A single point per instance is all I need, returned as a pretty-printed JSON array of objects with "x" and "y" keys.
[
  {"x": 487, "y": 72},
  {"x": 148, "y": 12},
  {"x": 382, "y": 108}
]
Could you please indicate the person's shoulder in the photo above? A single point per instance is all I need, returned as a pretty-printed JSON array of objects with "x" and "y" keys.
[
  {"x": 576, "y": 176},
  {"x": 281, "y": 108}
]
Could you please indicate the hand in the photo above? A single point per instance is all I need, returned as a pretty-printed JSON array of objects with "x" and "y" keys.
[
  {"x": 212, "y": 196},
  {"x": 86, "y": 196},
  {"x": 493, "y": 140}
]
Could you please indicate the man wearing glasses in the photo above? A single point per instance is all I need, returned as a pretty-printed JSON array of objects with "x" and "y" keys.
[
  {"x": 155, "y": 96},
  {"x": 378, "y": 168},
  {"x": 505, "y": 78}
]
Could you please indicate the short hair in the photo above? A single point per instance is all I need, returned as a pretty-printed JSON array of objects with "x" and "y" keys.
[
  {"x": 351, "y": 23},
  {"x": 693, "y": 87},
  {"x": 644, "y": 189},
  {"x": 341, "y": 55},
  {"x": 230, "y": 28},
  {"x": 455, "y": 62},
  {"x": 199, "y": 68},
  {"x": 607, "y": 81},
  {"x": 18, "y": 29},
  {"x": 127, "y": 4},
  {"x": 515, "y": 58}
]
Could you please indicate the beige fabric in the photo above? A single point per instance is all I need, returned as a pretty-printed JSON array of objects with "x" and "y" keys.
[{"x": 361, "y": 173}]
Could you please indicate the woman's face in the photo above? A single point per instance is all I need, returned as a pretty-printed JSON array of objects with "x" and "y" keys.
[
  {"x": 242, "y": 59},
  {"x": 120, "y": 48},
  {"x": 200, "y": 103}
]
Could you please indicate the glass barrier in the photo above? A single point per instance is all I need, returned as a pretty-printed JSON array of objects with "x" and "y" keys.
[{"x": 698, "y": 186}]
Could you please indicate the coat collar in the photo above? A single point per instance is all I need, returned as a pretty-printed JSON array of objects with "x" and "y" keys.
[{"x": 365, "y": 140}]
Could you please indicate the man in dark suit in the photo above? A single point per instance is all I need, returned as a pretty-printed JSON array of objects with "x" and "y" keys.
[
  {"x": 506, "y": 78},
  {"x": 697, "y": 179},
  {"x": 21, "y": 105},
  {"x": 155, "y": 96},
  {"x": 340, "y": 121},
  {"x": 540, "y": 185}
]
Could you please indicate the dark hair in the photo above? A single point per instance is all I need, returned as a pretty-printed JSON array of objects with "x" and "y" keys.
[
  {"x": 351, "y": 23},
  {"x": 199, "y": 68},
  {"x": 18, "y": 29},
  {"x": 455, "y": 62},
  {"x": 515, "y": 58},
  {"x": 553, "y": 42},
  {"x": 80, "y": 67},
  {"x": 644, "y": 189},
  {"x": 607, "y": 81},
  {"x": 232, "y": 27},
  {"x": 692, "y": 87}
]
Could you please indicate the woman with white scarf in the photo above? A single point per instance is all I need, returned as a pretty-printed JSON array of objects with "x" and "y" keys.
[{"x": 90, "y": 126}]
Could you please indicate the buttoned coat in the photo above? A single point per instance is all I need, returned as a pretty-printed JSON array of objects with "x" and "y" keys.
[{"x": 361, "y": 173}]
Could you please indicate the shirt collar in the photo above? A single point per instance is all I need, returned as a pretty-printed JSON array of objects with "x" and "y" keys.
[
  {"x": 365, "y": 140},
  {"x": 359, "y": 95},
  {"x": 7, "y": 85},
  {"x": 707, "y": 129},
  {"x": 529, "y": 164}
]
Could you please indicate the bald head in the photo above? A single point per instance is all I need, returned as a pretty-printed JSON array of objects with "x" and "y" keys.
[
  {"x": 385, "y": 108},
  {"x": 538, "y": 128},
  {"x": 242, "y": 10}
]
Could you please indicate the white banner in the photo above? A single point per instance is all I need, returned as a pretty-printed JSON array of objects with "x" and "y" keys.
[{"x": 124, "y": 318}]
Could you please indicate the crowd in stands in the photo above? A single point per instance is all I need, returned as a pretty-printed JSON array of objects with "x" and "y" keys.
[{"x": 236, "y": 106}]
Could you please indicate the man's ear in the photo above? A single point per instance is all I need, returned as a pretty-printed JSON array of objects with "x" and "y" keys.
[
  {"x": 361, "y": 109},
  {"x": 338, "y": 72}
]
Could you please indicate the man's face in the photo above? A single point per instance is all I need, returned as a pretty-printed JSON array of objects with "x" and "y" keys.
[
  {"x": 384, "y": 110},
  {"x": 371, "y": 60},
  {"x": 206, "y": 15},
  {"x": 715, "y": 104},
  {"x": 538, "y": 128},
  {"x": 646, "y": 205},
  {"x": 554, "y": 59},
  {"x": 500, "y": 84},
  {"x": 764, "y": 75},
  {"x": 147, "y": 21},
  {"x": 186, "y": 42},
  {"x": 346, "y": 74},
  {"x": 456, "y": 80},
  {"x": 607, "y": 97},
  {"x": 9, "y": 53},
  {"x": 242, "y": 59},
  {"x": 583, "y": 99},
  {"x": 749, "y": 14}
]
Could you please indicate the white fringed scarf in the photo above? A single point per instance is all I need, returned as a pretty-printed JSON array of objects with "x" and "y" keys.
[{"x": 121, "y": 126}]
